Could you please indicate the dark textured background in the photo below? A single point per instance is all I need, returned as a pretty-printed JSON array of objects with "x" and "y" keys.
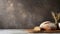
[{"x": 26, "y": 13}]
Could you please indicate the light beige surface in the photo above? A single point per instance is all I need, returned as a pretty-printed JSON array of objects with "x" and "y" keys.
[{"x": 19, "y": 31}]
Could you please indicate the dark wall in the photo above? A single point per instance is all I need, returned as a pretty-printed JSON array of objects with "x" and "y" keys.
[{"x": 26, "y": 13}]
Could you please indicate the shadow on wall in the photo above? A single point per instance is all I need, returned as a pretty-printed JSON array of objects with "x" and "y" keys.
[{"x": 26, "y": 13}]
